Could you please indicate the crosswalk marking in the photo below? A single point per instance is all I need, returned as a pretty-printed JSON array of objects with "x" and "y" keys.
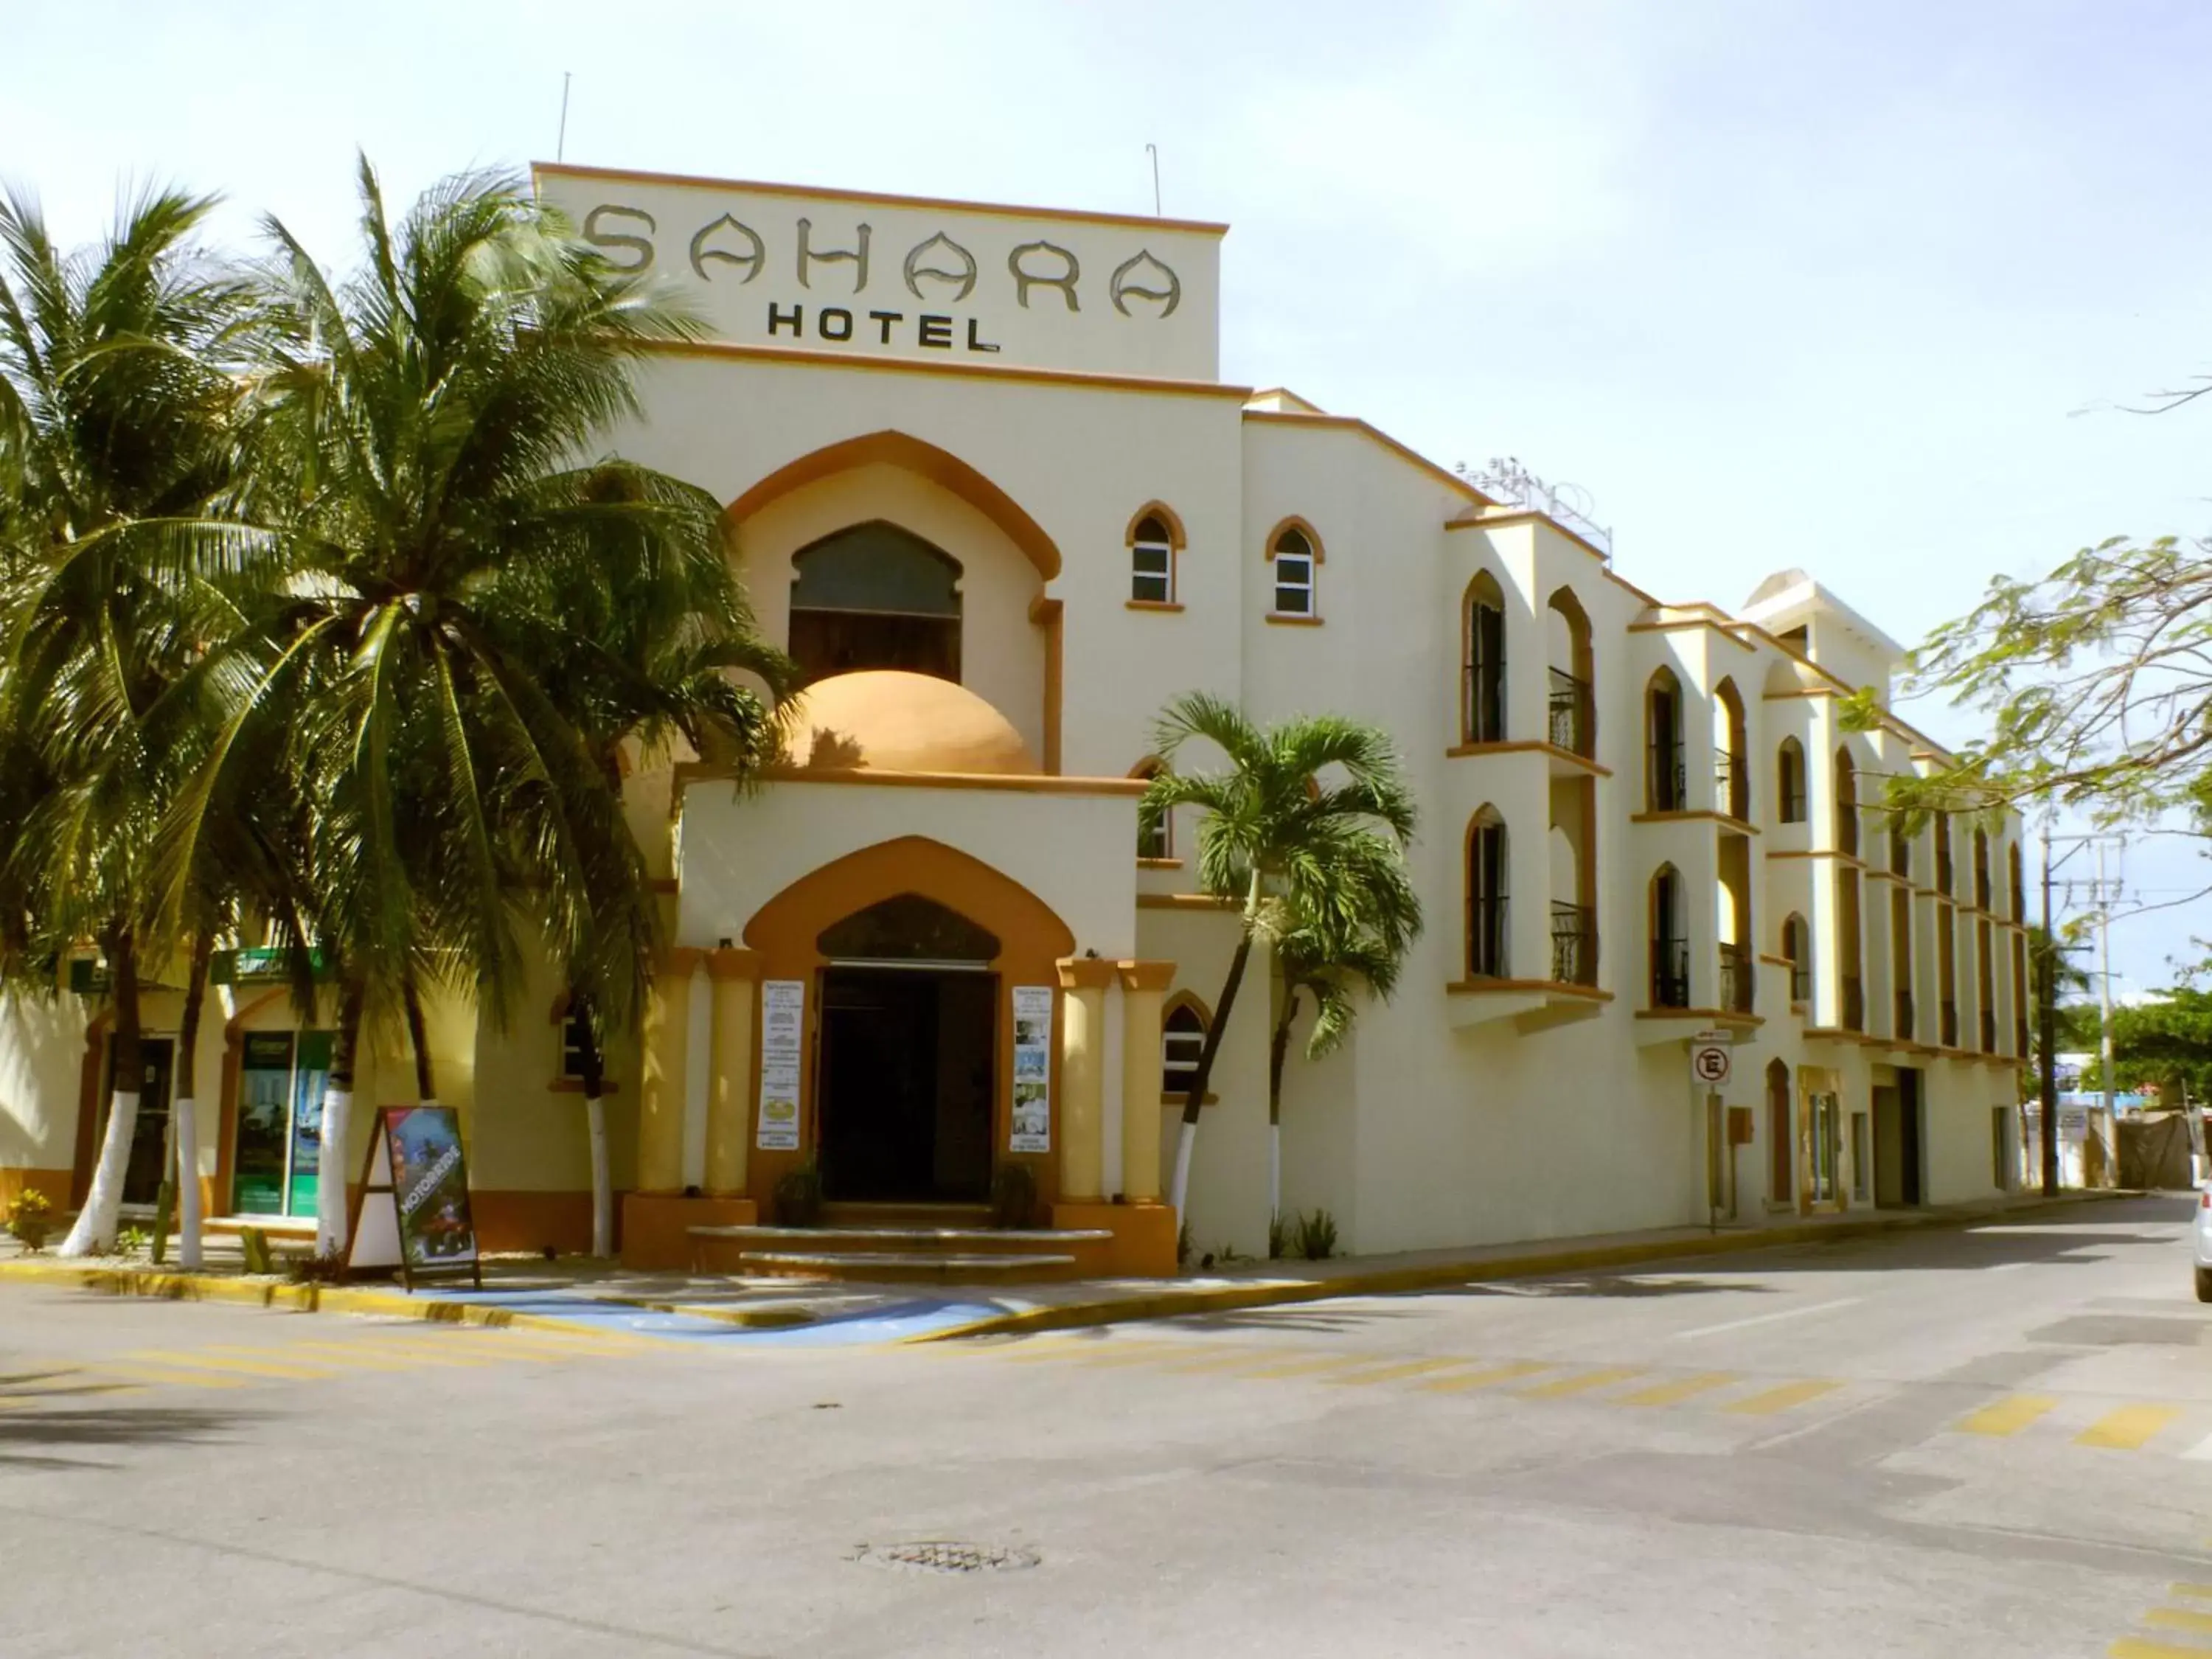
[
  {"x": 1484, "y": 1379},
  {"x": 2008, "y": 1416},
  {"x": 2197, "y": 1592},
  {"x": 1783, "y": 1398},
  {"x": 1233, "y": 1359},
  {"x": 170, "y": 1376},
  {"x": 1117, "y": 1353},
  {"x": 1311, "y": 1367},
  {"x": 248, "y": 1367},
  {"x": 1581, "y": 1384},
  {"x": 1670, "y": 1394},
  {"x": 2128, "y": 1428},
  {"x": 1392, "y": 1373},
  {"x": 2131, "y": 1647},
  {"x": 430, "y": 1351},
  {"x": 2188, "y": 1618},
  {"x": 358, "y": 1353}
]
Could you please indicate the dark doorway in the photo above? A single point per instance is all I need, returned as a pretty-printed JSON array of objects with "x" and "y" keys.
[
  {"x": 150, "y": 1135},
  {"x": 1897, "y": 1141},
  {"x": 906, "y": 1081}
]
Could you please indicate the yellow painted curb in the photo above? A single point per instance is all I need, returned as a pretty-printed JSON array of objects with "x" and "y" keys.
[
  {"x": 167, "y": 1286},
  {"x": 1167, "y": 1302}
]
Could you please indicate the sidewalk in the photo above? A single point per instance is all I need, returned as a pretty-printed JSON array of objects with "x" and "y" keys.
[{"x": 586, "y": 1295}]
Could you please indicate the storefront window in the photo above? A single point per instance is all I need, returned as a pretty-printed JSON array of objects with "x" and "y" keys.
[{"x": 277, "y": 1155}]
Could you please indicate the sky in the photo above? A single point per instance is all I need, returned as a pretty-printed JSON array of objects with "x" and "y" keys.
[{"x": 1863, "y": 287}]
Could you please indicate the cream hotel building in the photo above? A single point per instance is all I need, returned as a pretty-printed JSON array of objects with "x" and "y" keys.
[{"x": 987, "y": 484}]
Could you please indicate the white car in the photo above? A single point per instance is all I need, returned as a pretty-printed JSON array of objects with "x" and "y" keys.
[{"x": 2204, "y": 1240}]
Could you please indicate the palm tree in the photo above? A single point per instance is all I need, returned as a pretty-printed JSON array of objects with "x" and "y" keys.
[
  {"x": 1301, "y": 804},
  {"x": 117, "y": 399},
  {"x": 422, "y": 443},
  {"x": 1318, "y": 956}
]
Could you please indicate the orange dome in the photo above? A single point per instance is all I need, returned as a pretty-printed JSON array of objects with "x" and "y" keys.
[{"x": 890, "y": 720}]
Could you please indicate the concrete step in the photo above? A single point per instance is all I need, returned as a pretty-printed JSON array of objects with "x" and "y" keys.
[
  {"x": 984, "y": 1240},
  {"x": 855, "y": 1213},
  {"x": 285, "y": 1227},
  {"x": 881, "y": 1266}
]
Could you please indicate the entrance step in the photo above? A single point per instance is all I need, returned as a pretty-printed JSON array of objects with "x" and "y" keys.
[
  {"x": 854, "y": 1212},
  {"x": 277, "y": 1226},
  {"x": 1073, "y": 1246},
  {"x": 876, "y": 1267}
]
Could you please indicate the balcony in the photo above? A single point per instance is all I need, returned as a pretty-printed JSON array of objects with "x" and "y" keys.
[
  {"x": 1739, "y": 979},
  {"x": 1671, "y": 973},
  {"x": 1574, "y": 943},
  {"x": 1665, "y": 783},
  {"x": 1482, "y": 707},
  {"x": 1903, "y": 1030},
  {"x": 1949, "y": 1035},
  {"x": 1989, "y": 1032},
  {"x": 1854, "y": 1004},
  {"x": 1732, "y": 784},
  {"x": 1573, "y": 715},
  {"x": 1982, "y": 889},
  {"x": 1485, "y": 937}
]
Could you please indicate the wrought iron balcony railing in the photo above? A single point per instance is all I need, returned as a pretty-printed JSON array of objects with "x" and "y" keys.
[
  {"x": 1574, "y": 943},
  {"x": 1573, "y": 715}
]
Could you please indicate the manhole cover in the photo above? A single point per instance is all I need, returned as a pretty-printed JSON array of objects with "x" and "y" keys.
[{"x": 942, "y": 1555}]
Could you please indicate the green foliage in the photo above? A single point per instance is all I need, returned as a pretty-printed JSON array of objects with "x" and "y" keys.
[
  {"x": 1184, "y": 1246},
  {"x": 30, "y": 1219},
  {"x": 1314, "y": 1236},
  {"x": 2099, "y": 683},
  {"x": 2165, "y": 1045},
  {"x": 310, "y": 1268},
  {"x": 1014, "y": 1195},
  {"x": 799, "y": 1195},
  {"x": 253, "y": 1246},
  {"x": 133, "y": 1241},
  {"x": 1279, "y": 1236}
]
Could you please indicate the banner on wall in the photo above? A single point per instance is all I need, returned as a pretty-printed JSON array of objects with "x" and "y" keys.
[
  {"x": 1032, "y": 1130},
  {"x": 783, "y": 1025}
]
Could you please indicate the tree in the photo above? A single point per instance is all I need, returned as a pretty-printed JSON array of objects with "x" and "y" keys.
[
  {"x": 422, "y": 447},
  {"x": 1318, "y": 956},
  {"x": 117, "y": 447},
  {"x": 1300, "y": 803}
]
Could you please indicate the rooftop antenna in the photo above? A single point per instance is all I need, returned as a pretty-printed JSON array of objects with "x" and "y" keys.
[
  {"x": 1153, "y": 150},
  {"x": 561, "y": 144}
]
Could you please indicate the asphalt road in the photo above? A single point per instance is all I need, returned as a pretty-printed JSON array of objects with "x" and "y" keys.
[{"x": 1965, "y": 1444}]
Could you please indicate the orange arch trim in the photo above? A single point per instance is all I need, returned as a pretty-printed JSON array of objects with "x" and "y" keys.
[
  {"x": 941, "y": 466},
  {"x": 1312, "y": 535},
  {"x": 788, "y": 924},
  {"x": 1166, "y": 515}
]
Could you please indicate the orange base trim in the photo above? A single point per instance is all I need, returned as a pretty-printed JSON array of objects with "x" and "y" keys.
[
  {"x": 519, "y": 1220},
  {"x": 54, "y": 1183},
  {"x": 655, "y": 1226},
  {"x": 1144, "y": 1245}
]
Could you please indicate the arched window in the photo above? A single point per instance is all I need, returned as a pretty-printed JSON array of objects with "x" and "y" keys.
[
  {"x": 1486, "y": 895},
  {"x": 1155, "y": 830},
  {"x": 1670, "y": 944},
  {"x": 1183, "y": 1039},
  {"x": 1900, "y": 846},
  {"x": 1781, "y": 1134},
  {"x": 1982, "y": 869},
  {"x": 1572, "y": 710},
  {"x": 875, "y": 596},
  {"x": 1942, "y": 823},
  {"x": 907, "y": 927},
  {"x": 1847, "y": 804},
  {"x": 1482, "y": 627},
  {"x": 1665, "y": 787},
  {"x": 1731, "y": 752},
  {"x": 1155, "y": 540},
  {"x": 1797, "y": 949},
  {"x": 2013, "y": 880},
  {"x": 1790, "y": 781},
  {"x": 1296, "y": 554}
]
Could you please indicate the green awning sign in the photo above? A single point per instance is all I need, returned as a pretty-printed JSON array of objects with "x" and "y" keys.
[{"x": 258, "y": 965}]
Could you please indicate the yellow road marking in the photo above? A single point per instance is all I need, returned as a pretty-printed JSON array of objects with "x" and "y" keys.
[
  {"x": 2186, "y": 1618},
  {"x": 1670, "y": 1394},
  {"x": 1313, "y": 1367},
  {"x": 430, "y": 1352},
  {"x": 2130, "y": 1647},
  {"x": 163, "y": 1374},
  {"x": 1782, "y": 1398},
  {"x": 1218, "y": 1360},
  {"x": 2200, "y": 1592},
  {"x": 366, "y": 1355},
  {"x": 249, "y": 1367},
  {"x": 2007, "y": 1416},
  {"x": 1099, "y": 1353},
  {"x": 1485, "y": 1378},
  {"x": 1582, "y": 1383},
  {"x": 1408, "y": 1367},
  {"x": 2127, "y": 1428},
  {"x": 579, "y": 1347}
]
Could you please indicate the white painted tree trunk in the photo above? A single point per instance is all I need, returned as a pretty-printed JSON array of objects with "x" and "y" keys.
[
  {"x": 188, "y": 1183},
  {"x": 95, "y": 1231},
  {"x": 1274, "y": 1170},
  {"x": 331, "y": 1174},
  {"x": 1179, "y": 1191},
  {"x": 603, "y": 1197}
]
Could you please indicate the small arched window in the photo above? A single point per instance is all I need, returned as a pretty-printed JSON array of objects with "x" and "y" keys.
[
  {"x": 1847, "y": 804},
  {"x": 2019, "y": 886},
  {"x": 1731, "y": 752},
  {"x": 1790, "y": 781},
  {"x": 1797, "y": 949},
  {"x": 1155, "y": 538},
  {"x": 1900, "y": 847},
  {"x": 1486, "y": 895},
  {"x": 1296, "y": 557},
  {"x": 1183, "y": 1039},
  {"x": 1482, "y": 706},
  {"x": 1982, "y": 869},
  {"x": 1572, "y": 709},
  {"x": 1781, "y": 1134},
  {"x": 1154, "y": 828},
  {"x": 1670, "y": 943},
  {"x": 1942, "y": 823},
  {"x": 1666, "y": 786}
]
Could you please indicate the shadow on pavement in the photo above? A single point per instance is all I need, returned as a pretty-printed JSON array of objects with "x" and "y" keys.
[{"x": 29, "y": 1436}]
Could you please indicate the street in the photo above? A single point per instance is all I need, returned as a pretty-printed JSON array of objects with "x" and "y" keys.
[{"x": 1966, "y": 1442}]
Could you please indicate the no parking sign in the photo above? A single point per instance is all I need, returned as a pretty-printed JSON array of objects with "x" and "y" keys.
[{"x": 1709, "y": 1063}]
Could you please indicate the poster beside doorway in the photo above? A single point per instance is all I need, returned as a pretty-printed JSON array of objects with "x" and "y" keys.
[{"x": 1032, "y": 1129}]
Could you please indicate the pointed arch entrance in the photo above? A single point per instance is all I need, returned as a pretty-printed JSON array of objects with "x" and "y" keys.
[{"x": 908, "y": 952}]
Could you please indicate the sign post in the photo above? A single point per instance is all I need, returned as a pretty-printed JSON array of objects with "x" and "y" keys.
[
  {"x": 1710, "y": 1062},
  {"x": 413, "y": 1210}
]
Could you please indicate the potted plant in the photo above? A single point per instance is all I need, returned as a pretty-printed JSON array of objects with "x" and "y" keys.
[{"x": 30, "y": 1219}]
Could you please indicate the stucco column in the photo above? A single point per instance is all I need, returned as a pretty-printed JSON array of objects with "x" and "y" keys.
[
  {"x": 665, "y": 1036},
  {"x": 730, "y": 1068},
  {"x": 1144, "y": 987},
  {"x": 1084, "y": 981}
]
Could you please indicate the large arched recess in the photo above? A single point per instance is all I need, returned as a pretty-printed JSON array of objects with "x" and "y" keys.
[
  {"x": 1032, "y": 940},
  {"x": 941, "y": 466}
]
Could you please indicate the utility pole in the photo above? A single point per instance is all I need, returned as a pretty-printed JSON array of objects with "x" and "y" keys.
[
  {"x": 2046, "y": 997},
  {"x": 2104, "y": 994}
]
